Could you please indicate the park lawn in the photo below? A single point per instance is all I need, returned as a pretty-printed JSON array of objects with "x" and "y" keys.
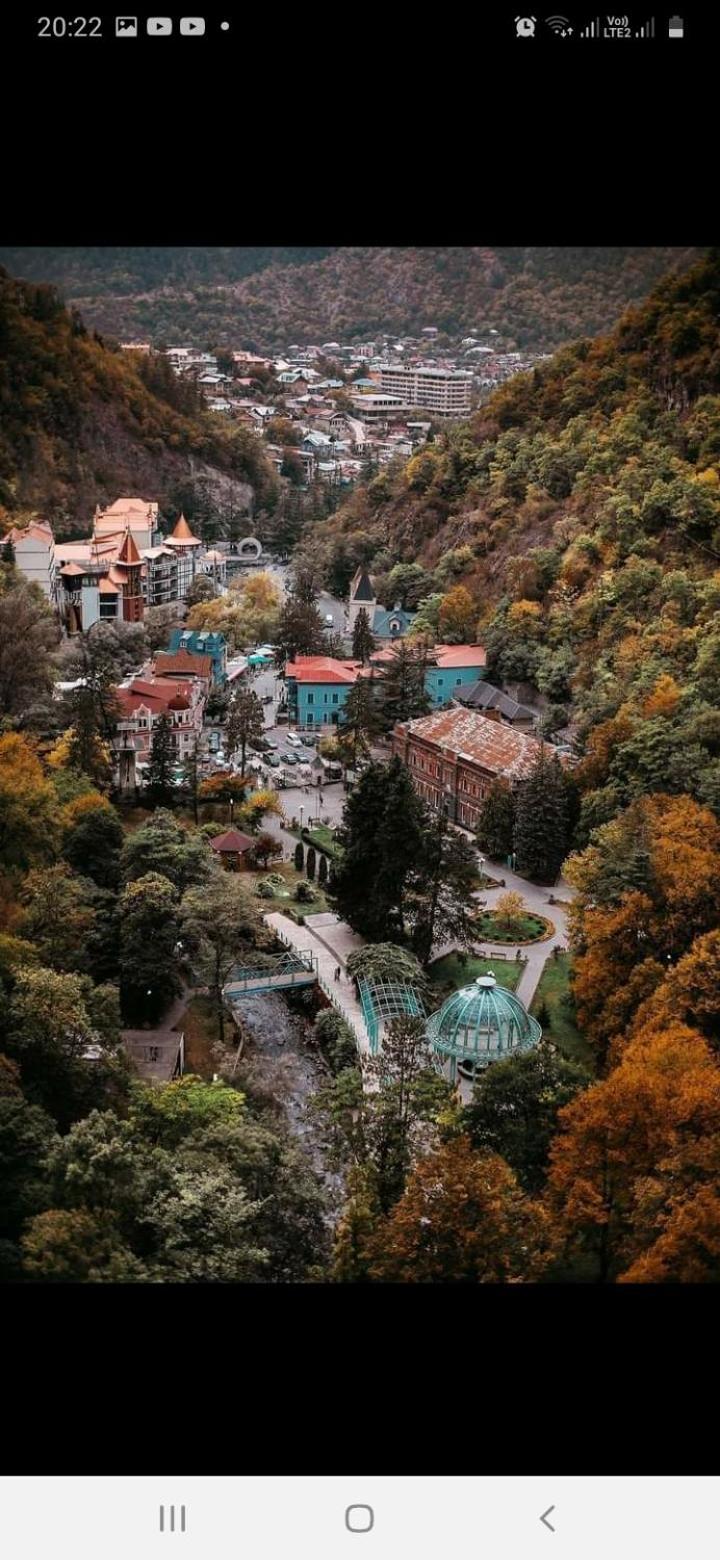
[
  {"x": 321, "y": 837},
  {"x": 527, "y": 927},
  {"x": 283, "y": 899},
  {"x": 448, "y": 974},
  {"x": 553, "y": 984}
]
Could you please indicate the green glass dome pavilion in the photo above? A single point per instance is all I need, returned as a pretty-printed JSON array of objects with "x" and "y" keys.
[{"x": 480, "y": 1024}]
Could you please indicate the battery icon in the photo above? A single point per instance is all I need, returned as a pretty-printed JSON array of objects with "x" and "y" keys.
[{"x": 675, "y": 27}]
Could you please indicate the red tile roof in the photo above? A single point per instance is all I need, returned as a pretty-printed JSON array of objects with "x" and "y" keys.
[
  {"x": 186, "y": 663},
  {"x": 128, "y": 552},
  {"x": 322, "y": 669},
  {"x": 460, "y": 655},
  {"x": 497, "y": 748},
  {"x": 232, "y": 841}
]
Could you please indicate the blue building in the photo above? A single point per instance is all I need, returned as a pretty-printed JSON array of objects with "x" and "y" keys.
[
  {"x": 202, "y": 642},
  {"x": 318, "y": 685}
]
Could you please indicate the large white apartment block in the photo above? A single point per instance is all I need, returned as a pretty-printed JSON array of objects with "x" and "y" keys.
[
  {"x": 34, "y": 548},
  {"x": 444, "y": 391}
]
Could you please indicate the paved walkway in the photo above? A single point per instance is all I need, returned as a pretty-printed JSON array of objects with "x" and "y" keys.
[
  {"x": 536, "y": 898},
  {"x": 340, "y": 992}
]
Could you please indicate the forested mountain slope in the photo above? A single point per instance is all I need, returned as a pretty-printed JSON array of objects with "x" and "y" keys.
[
  {"x": 81, "y": 423},
  {"x": 535, "y": 298},
  {"x": 580, "y": 509}
]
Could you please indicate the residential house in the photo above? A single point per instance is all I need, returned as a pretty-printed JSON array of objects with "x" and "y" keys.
[
  {"x": 497, "y": 705},
  {"x": 142, "y": 700},
  {"x": 202, "y": 642},
  {"x": 186, "y": 665},
  {"x": 102, "y": 579},
  {"x": 448, "y": 669}
]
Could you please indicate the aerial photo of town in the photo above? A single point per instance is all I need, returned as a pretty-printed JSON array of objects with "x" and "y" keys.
[{"x": 360, "y": 766}]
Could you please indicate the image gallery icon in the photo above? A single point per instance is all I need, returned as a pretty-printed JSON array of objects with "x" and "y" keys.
[{"x": 126, "y": 27}]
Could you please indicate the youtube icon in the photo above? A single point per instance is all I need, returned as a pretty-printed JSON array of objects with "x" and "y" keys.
[{"x": 192, "y": 26}]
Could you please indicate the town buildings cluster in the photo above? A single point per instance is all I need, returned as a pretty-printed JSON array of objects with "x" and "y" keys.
[
  {"x": 350, "y": 404},
  {"x": 475, "y": 733},
  {"x": 123, "y": 567}
]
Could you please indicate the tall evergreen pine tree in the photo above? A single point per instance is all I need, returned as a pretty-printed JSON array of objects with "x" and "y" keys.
[
  {"x": 497, "y": 822},
  {"x": 161, "y": 762},
  {"x": 542, "y": 834}
]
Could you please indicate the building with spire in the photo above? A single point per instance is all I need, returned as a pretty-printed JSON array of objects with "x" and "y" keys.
[
  {"x": 387, "y": 624},
  {"x": 188, "y": 550}
]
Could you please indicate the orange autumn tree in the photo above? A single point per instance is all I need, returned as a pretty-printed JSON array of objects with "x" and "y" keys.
[
  {"x": 462, "y": 1218},
  {"x": 646, "y": 887},
  {"x": 689, "y": 991},
  {"x": 628, "y": 1145},
  {"x": 28, "y": 805},
  {"x": 458, "y": 615}
]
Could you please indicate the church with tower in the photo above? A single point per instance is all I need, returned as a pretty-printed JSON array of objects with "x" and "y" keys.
[{"x": 387, "y": 624}]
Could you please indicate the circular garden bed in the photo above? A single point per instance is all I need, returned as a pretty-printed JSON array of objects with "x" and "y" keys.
[{"x": 527, "y": 928}]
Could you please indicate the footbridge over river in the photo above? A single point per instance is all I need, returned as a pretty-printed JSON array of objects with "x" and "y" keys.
[{"x": 297, "y": 968}]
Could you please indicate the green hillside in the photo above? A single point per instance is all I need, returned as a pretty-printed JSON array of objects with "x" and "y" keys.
[
  {"x": 535, "y": 298},
  {"x": 580, "y": 509},
  {"x": 80, "y": 422}
]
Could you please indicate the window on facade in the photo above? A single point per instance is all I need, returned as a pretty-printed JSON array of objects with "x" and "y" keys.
[
  {"x": 310, "y": 719},
  {"x": 325, "y": 698},
  {"x": 311, "y": 698},
  {"x": 334, "y": 698}
]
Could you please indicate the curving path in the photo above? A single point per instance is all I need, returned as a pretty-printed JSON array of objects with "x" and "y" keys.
[{"x": 536, "y": 898}]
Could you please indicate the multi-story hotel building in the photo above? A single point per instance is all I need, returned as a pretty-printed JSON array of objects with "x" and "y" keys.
[
  {"x": 455, "y": 755},
  {"x": 444, "y": 391},
  {"x": 34, "y": 548}
]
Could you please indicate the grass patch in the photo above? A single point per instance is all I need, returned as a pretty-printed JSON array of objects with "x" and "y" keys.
[
  {"x": 449, "y": 973},
  {"x": 320, "y": 836},
  {"x": 284, "y": 899},
  {"x": 527, "y": 928},
  {"x": 554, "y": 984}
]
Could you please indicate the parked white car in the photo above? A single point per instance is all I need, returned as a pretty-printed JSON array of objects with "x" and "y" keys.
[{"x": 293, "y": 740}]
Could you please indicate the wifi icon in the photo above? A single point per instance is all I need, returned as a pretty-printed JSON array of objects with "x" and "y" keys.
[{"x": 559, "y": 25}]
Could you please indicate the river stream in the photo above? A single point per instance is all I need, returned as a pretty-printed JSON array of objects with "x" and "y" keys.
[{"x": 291, "y": 1071}]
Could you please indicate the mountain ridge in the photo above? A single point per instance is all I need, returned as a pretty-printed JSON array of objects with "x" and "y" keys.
[{"x": 535, "y": 298}]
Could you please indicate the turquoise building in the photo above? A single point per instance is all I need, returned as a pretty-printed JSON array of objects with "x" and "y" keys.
[
  {"x": 200, "y": 642},
  {"x": 318, "y": 685}
]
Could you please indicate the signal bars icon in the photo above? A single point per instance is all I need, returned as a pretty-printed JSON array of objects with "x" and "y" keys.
[{"x": 594, "y": 29}]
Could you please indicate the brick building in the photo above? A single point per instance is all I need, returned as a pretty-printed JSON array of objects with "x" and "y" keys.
[{"x": 455, "y": 755}]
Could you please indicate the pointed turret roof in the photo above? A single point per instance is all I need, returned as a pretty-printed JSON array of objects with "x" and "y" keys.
[
  {"x": 362, "y": 588},
  {"x": 181, "y": 532},
  {"x": 128, "y": 552}
]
